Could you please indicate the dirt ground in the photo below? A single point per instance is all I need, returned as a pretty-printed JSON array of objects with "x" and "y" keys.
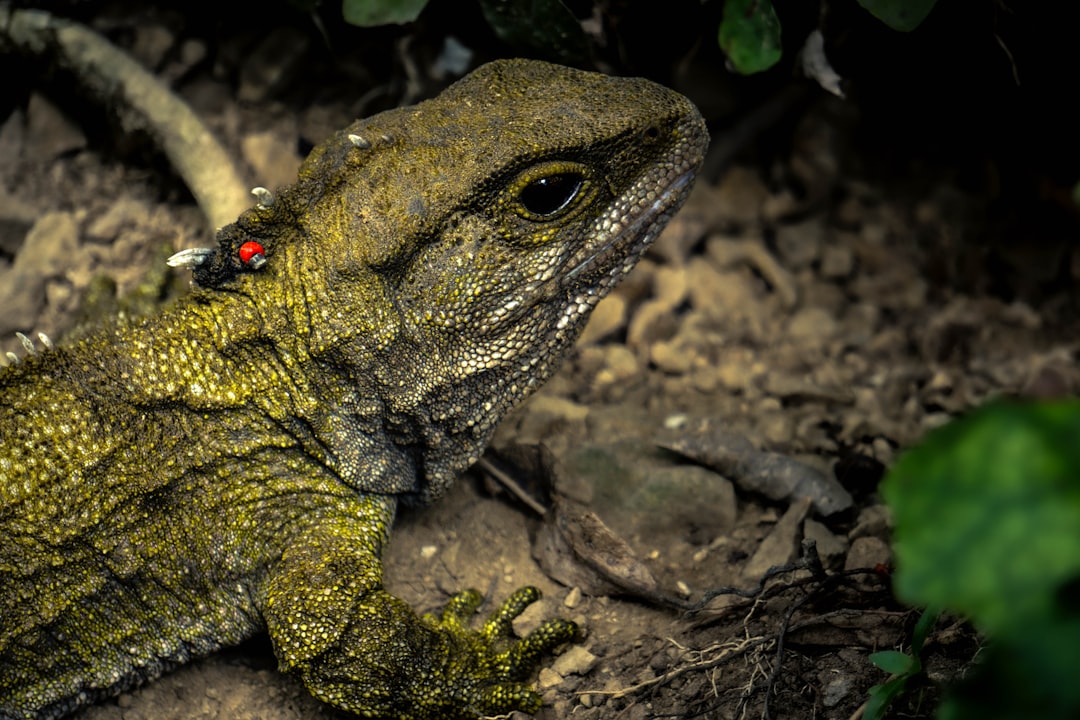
[{"x": 816, "y": 307}]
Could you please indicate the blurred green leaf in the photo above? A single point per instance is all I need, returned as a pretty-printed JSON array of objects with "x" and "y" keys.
[
  {"x": 750, "y": 35},
  {"x": 881, "y": 696},
  {"x": 544, "y": 25},
  {"x": 902, "y": 15},
  {"x": 367, "y": 13},
  {"x": 1031, "y": 674},
  {"x": 894, "y": 662},
  {"x": 987, "y": 514},
  {"x": 923, "y": 625}
]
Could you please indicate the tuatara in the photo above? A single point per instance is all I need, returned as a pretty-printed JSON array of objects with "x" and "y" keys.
[{"x": 233, "y": 465}]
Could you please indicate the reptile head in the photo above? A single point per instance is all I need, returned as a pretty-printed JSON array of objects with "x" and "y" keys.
[{"x": 465, "y": 240}]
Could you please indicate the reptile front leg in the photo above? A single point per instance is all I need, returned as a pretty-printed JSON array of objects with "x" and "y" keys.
[{"x": 363, "y": 650}]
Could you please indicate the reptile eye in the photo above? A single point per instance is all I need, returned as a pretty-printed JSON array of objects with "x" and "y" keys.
[{"x": 548, "y": 195}]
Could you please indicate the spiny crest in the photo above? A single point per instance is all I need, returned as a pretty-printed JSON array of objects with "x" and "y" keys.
[{"x": 28, "y": 345}]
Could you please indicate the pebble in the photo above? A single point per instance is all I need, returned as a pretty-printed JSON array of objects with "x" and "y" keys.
[
  {"x": 608, "y": 316},
  {"x": 874, "y": 520},
  {"x": 800, "y": 245},
  {"x": 837, "y": 261},
  {"x": 577, "y": 660},
  {"x": 49, "y": 250},
  {"x": 780, "y": 546}
]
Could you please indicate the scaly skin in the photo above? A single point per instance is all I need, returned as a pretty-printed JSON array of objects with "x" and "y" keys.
[{"x": 233, "y": 464}]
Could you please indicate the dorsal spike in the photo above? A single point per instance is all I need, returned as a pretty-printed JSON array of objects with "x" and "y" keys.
[
  {"x": 190, "y": 258},
  {"x": 265, "y": 197}
]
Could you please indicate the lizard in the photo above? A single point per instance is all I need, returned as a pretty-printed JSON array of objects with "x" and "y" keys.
[{"x": 233, "y": 464}]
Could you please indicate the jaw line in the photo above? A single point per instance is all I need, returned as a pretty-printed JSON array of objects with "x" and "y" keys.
[
  {"x": 628, "y": 238},
  {"x": 629, "y": 235}
]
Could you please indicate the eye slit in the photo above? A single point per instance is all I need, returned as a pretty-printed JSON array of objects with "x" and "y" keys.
[{"x": 548, "y": 195}]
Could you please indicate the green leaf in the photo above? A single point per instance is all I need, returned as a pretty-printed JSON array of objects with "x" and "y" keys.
[
  {"x": 1030, "y": 675},
  {"x": 881, "y": 696},
  {"x": 894, "y": 663},
  {"x": 544, "y": 25},
  {"x": 987, "y": 514},
  {"x": 902, "y": 15},
  {"x": 922, "y": 628},
  {"x": 750, "y": 35},
  {"x": 367, "y": 13}
]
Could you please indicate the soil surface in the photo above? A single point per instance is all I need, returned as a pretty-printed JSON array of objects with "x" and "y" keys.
[{"x": 817, "y": 307}]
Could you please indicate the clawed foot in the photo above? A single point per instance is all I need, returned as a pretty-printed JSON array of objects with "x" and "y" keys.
[{"x": 499, "y": 663}]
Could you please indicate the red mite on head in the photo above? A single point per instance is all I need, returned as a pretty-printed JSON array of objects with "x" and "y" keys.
[{"x": 252, "y": 254}]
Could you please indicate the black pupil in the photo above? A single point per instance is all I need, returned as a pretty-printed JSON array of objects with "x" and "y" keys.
[{"x": 550, "y": 194}]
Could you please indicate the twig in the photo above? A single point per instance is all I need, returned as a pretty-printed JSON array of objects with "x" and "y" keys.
[{"x": 512, "y": 486}]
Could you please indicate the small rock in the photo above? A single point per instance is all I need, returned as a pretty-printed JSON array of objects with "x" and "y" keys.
[
  {"x": 671, "y": 357},
  {"x": 620, "y": 366},
  {"x": 781, "y": 545},
  {"x": 558, "y": 408},
  {"x": 670, "y": 285},
  {"x": 737, "y": 370},
  {"x": 728, "y": 296},
  {"x": 534, "y": 616},
  {"x": 800, "y": 245},
  {"x": 868, "y": 553},
  {"x": 812, "y": 323},
  {"x": 573, "y": 598},
  {"x": 608, "y": 316},
  {"x": 652, "y": 321},
  {"x": 837, "y": 261},
  {"x": 638, "y": 492},
  {"x": 548, "y": 679},
  {"x": 836, "y": 690},
  {"x": 575, "y": 661},
  {"x": 726, "y": 252},
  {"x": 48, "y": 251},
  {"x": 875, "y": 520}
]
